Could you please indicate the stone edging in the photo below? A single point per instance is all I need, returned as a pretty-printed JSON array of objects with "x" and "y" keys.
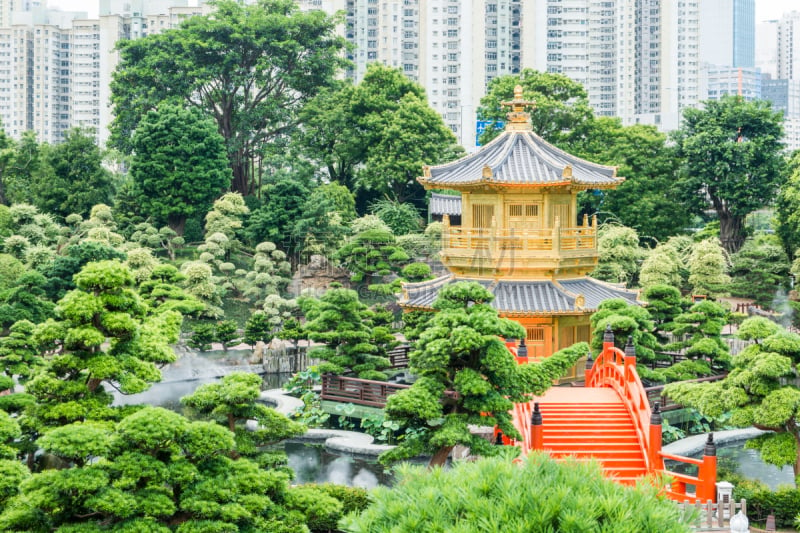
[
  {"x": 695, "y": 443},
  {"x": 350, "y": 442}
]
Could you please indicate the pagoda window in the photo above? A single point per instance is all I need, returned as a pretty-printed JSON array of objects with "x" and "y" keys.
[
  {"x": 482, "y": 215},
  {"x": 523, "y": 216},
  {"x": 535, "y": 335}
]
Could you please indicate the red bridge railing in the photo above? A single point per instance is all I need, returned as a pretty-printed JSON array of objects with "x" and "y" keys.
[{"x": 617, "y": 369}]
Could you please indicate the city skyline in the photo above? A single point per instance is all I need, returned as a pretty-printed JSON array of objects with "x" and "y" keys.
[{"x": 765, "y": 9}]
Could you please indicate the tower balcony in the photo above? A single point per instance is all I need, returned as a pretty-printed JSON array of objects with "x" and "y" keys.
[{"x": 528, "y": 253}]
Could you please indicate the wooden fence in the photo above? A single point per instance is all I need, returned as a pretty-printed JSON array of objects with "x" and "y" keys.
[
  {"x": 290, "y": 359},
  {"x": 714, "y": 516},
  {"x": 656, "y": 394},
  {"x": 358, "y": 391}
]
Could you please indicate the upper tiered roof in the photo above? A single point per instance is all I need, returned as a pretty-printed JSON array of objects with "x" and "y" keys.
[{"x": 520, "y": 157}]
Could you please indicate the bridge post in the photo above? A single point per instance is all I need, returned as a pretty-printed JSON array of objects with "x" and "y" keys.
[
  {"x": 537, "y": 429},
  {"x": 588, "y": 370},
  {"x": 522, "y": 352},
  {"x": 608, "y": 342},
  {"x": 707, "y": 472},
  {"x": 655, "y": 439},
  {"x": 630, "y": 356}
]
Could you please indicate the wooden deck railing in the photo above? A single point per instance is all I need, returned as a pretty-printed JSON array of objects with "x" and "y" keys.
[
  {"x": 358, "y": 391},
  {"x": 656, "y": 393}
]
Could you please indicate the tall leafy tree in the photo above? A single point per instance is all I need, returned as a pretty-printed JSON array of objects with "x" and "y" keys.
[
  {"x": 7, "y": 153},
  {"x": 787, "y": 209},
  {"x": 562, "y": 106},
  {"x": 461, "y": 351},
  {"x": 250, "y": 67},
  {"x": 732, "y": 161},
  {"x": 276, "y": 218},
  {"x": 375, "y": 137},
  {"x": 179, "y": 164},
  {"x": 645, "y": 200},
  {"x": 75, "y": 179}
]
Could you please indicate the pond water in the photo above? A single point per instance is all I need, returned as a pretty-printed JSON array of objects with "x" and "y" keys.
[
  {"x": 749, "y": 464},
  {"x": 745, "y": 462},
  {"x": 312, "y": 463},
  {"x": 193, "y": 369}
]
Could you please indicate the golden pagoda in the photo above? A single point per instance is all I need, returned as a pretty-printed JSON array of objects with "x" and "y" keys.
[{"x": 520, "y": 236}]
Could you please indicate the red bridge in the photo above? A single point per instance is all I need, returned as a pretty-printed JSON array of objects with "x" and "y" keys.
[{"x": 610, "y": 420}]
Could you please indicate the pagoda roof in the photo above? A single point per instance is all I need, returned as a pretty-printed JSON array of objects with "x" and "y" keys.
[
  {"x": 520, "y": 158},
  {"x": 445, "y": 204},
  {"x": 511, "y": 297}
]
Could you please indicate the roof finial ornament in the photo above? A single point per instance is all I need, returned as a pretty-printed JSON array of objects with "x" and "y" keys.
[{"x": 518, "y": 118}]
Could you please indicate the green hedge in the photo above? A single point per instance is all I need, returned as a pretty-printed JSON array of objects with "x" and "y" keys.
[{"x": 784, "y": 502}]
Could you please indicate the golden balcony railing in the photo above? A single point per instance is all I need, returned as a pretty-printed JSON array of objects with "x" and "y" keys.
[{"x": 536, "y": 241}]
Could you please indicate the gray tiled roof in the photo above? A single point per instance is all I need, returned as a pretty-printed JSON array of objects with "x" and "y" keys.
[
  {"x": 525, "y": 296},
  {"x": 596, "y": 292},
  {"x": 521, "y": 157},
  {"x": 539, "y": 296},
  {"x": 444, "y": 204}
]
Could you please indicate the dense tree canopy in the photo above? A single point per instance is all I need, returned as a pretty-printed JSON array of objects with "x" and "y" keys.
[
  {"x": 250, "y": 67},
  {"x": 645, "y": 201},
  {"x": 375, "y": 137},
  {"x": 75, "y": 179},
  {"x": 732, "y": 161},
  {"x": 179, "y": 166},
  {"x": 562, "y": 106}
]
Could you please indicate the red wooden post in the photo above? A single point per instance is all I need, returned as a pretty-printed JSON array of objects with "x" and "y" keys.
[
  {"x": 537, "y": 429},
  {"x": 655, "y": 439},
  {"x": 707, "y": 472}
]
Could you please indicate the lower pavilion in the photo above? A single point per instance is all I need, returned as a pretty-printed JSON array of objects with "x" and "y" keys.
[{"x": 517, "y": 233}]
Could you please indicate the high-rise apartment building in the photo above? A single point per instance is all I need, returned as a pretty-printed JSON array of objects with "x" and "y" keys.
[
  {"x": 452, "y": 47},
  {"x": 789, "y": 46},
  {"x": 56, "y": 67},
  {"x": 766, "y": 53}
]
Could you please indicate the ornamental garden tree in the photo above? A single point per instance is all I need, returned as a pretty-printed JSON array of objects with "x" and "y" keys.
[
  {"x": 758, "y": 391},
  {"x": 232, "y": 402},
  {"x": 625, "y": 320},
  {"x": 344, "y": 325},
  {"x": 103, "y": 335},
  {"x": 467, "y": 376},
  {"x": 495, "y": 494},
  {"x": 153, "y": 471}
]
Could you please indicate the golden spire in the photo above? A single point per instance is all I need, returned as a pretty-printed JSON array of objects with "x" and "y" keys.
[{"x": 518, "y": 118}]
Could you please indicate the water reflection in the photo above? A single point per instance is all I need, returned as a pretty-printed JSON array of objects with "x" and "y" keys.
[
  {"x": 314, "y": 464},
  {"x": 748, "y": 463}
]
